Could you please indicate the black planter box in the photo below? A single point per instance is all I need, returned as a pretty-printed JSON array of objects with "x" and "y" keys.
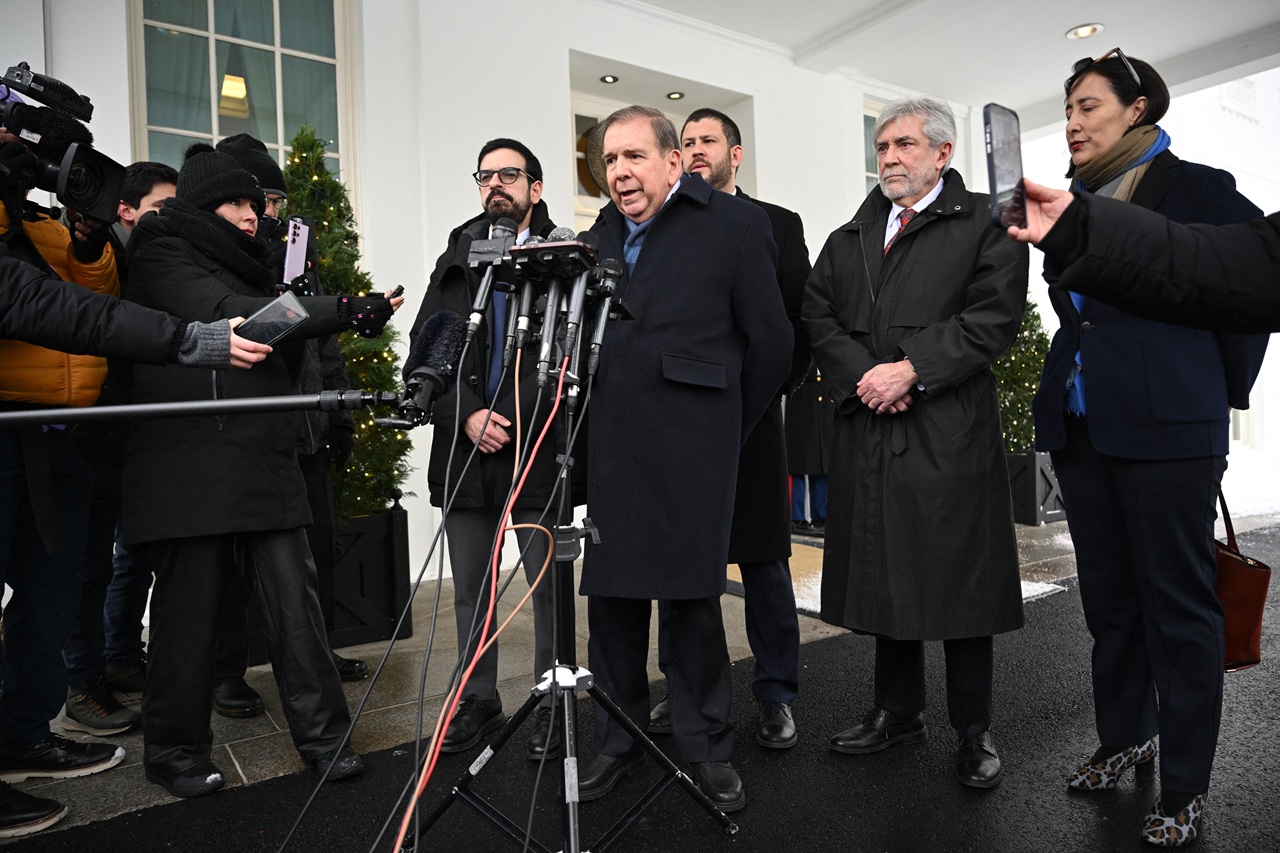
[
  {"x": 1036, "y": 497},
  {"x": 370, "y": 584}
]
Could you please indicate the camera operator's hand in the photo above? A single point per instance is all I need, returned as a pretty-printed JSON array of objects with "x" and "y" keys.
[
  {"x": 14, "y": 156},
  {"x": 89, "y": 237}
]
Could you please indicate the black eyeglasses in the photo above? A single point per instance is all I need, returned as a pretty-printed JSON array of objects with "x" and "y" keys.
[
  {"x": 1128, "y": 66},
  {"x": 281, "y": 202},
  {"x": 509, "y": 175}
]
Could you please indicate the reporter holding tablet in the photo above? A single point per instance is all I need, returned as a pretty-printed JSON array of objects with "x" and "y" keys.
[{"x": 217, "y": 495}]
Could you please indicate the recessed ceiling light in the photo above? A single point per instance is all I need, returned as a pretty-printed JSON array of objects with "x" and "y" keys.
[
  {"x": 1084, "y": 31},
  {"x": 608, "y": 78},
  {"x": 675, "y": 96}
]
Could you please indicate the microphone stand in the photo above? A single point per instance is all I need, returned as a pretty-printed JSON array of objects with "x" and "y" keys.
[
  {"x": 325, "y": 401},
  {"x": 565, "y": 678}
]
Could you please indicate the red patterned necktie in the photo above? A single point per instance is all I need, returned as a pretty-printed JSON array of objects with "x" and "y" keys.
[{"x": 903, "y": 218}]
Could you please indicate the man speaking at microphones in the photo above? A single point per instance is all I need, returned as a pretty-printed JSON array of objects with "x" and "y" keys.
[
  {"x": 478, "y": 413},
  {"x": 678, "y": 390}
]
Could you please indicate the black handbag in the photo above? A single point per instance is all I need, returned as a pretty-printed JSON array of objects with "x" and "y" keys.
[{"x": 1242, "y": 589}]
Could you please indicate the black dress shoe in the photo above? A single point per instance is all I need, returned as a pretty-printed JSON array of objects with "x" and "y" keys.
[
  {"x": 235, "y": 698},
  {"x": 721, "y": 783},
  {"x": 660, "y": 718},
  {"x": 598, "y": 773},
  {"x": 801, "y": 528},
  {"x": 777, "y": 728},
  {"x": 474, "y": 719},
  {"x": 977, "y": 764},
  {"x": 196, "y": 781},
  {"x": 350, "y": 669},
  {"x": 341, "y": 764},
  {"x": 545, "y": 739},
  {"x": 22, "y": 813},
  {"x": 879, "y": 730},
  {"x": 818, "y": 527}
]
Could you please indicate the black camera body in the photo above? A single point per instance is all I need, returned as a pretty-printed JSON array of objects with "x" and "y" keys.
[{"x": 83, "y": 179}]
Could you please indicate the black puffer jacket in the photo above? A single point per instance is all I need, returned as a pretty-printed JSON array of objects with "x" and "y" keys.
[{"x": 211, "y": 474}]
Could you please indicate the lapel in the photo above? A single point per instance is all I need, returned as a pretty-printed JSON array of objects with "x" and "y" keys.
[{"x": 1156, "y": 182}]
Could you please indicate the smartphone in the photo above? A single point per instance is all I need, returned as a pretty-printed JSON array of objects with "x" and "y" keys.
[
  {"x": 1004, "y": 166},
  {"x": 274, "y": 321}
]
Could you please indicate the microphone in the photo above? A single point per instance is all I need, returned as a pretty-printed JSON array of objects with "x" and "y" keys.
[
  {"x": 431, "y": 363},
  {"x": 578, "y": 296},
  {"x": 552, "y": 311},
  {"x": 492, "y": 252},
  {"x": 523, "y": 312},
  {"x": 609, "y": 272}
]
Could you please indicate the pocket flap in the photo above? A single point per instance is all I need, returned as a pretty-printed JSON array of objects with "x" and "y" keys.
[{"x": 694, "y": 371}]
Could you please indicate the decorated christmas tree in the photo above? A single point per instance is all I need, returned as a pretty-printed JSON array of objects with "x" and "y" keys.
[
  {"x": 379, "y": 465},
  {"x": 1017, "y": 377}
]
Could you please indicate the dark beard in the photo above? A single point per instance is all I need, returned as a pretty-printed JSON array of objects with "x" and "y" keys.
[{"x": 517, "y": 214}]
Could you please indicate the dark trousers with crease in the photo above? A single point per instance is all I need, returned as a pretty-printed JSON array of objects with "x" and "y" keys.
[
  {"x": 1143, "y": 535},
  {"x": 698, "y": 675},
  {"x": 773, "y": 630},
  {"x": 191, "y": 576},
  {"x": 899, "y": 678}
]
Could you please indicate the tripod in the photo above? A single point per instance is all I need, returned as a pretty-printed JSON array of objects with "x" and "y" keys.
[{"x": 566, "y": 679}]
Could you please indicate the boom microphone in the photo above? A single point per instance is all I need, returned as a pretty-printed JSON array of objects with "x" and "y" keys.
[{"x": 432, "y": 361}]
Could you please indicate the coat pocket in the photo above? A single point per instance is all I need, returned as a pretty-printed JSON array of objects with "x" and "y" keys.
[{"x": 694, "y": 371}]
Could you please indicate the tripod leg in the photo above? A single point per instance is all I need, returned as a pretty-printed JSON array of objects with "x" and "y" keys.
[{"x": 668, "y": 766}]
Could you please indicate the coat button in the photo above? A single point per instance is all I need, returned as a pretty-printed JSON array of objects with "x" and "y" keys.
[{"x": 1086, "y": 326}]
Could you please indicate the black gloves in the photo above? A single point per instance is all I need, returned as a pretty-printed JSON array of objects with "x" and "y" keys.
[
  {"x": 367, "y": 315},
  {"x": 88, "y": 238}
]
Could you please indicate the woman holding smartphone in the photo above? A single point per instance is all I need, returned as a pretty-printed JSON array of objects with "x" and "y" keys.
[
  {"x": 213, "y": 495},
  {"x": 1136, "y": 415}
]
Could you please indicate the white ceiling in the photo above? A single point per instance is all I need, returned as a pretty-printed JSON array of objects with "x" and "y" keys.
[{"x": 1014, "y": 53}]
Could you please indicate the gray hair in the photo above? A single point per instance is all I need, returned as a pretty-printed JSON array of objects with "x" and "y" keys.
[
  {"x": 663, "y": 130},
  {"x": 937, "y": 122}
]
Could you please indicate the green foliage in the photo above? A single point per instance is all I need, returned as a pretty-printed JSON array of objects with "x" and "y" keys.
[
  {"x": 379, "y": 465},
  {"x": 1017, "y": 377}
]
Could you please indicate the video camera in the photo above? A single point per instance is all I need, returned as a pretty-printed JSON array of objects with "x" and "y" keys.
[{"x": 85, "y": 180}]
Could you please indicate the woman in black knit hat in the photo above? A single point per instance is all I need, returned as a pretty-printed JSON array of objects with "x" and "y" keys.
[{"x": 213, "y": 495}]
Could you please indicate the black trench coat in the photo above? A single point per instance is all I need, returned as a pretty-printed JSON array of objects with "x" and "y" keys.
[
  {"x": 679, "y": 387},
  {"x": 920, "y": 542}
]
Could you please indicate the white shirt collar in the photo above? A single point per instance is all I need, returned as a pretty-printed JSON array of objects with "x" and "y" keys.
[{"x": 891, "y": 227}]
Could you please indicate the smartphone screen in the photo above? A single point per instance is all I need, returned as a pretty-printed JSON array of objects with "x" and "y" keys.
[{"x": 1004, "y": 166}]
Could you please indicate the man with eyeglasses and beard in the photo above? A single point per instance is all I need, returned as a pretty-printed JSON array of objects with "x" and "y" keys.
[{"x": 478, "y": 414}]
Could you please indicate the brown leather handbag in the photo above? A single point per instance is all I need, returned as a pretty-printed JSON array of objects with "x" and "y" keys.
[{"x": 1242, "y": 589}]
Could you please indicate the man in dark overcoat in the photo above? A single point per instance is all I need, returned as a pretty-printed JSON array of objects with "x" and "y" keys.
[
  {"x": 905, "y": 321},
  {"x": 760, "y": 537},
  {"x": 478, "y": 413},
  {"x": 678, "y": 390}
]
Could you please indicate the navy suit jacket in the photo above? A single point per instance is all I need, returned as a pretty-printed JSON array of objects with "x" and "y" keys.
[{"x": 1152, "y": 390}]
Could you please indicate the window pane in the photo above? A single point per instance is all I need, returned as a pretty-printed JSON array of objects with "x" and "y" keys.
[
  {"x": 244, "y": 19},
  {"x": 307, "y": 25},
  {"x": 869, "y": 144},
  {"x": 169, "y": 147},
  {"x": 247, "y": 91},
  {"x": 872, "y": 183},
  {"x": 310, "y": 97},
  {"x": 185, "y": 13},
  {"x": 178, "y": 80}
]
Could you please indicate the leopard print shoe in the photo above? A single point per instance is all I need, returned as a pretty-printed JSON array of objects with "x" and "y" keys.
[
  {"x": 1176, "y": 831},
  {"x": 1103, "y": 775}
]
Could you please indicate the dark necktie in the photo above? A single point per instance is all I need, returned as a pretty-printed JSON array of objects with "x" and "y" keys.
[
  {"x": 499, "y": 340},
  {"x": 903, "y": 218}
]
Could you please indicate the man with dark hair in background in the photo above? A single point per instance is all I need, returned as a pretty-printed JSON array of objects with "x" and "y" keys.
[
  {"x": 679, "y": 389},
  {"x": 104, "y": 654},
  {"x": 478, "y": 413},
  {"x": 760, "y": 541}
]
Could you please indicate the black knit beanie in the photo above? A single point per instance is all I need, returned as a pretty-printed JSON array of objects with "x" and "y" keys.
[
  {"x": 254, "y": 158},
  {"x": 207, "y": 180}
]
